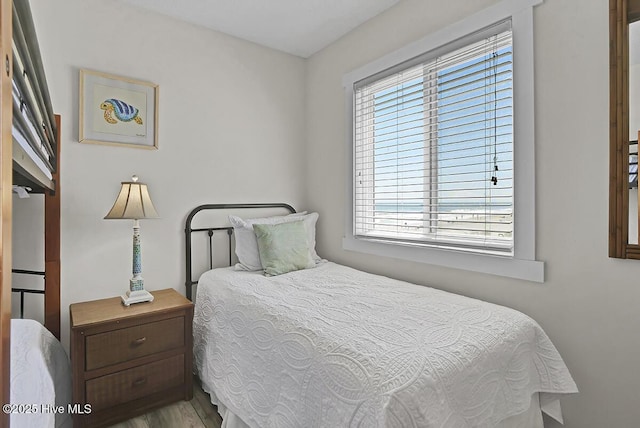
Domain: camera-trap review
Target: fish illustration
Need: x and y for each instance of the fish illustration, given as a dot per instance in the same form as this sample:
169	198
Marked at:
123	111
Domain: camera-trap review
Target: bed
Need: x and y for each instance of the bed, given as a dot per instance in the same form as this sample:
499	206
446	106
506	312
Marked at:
40	377
30	164
331	346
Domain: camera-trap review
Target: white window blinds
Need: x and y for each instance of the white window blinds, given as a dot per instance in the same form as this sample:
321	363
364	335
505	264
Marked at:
433	147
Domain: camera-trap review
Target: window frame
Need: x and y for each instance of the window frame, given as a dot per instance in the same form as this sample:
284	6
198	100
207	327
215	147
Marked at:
522	264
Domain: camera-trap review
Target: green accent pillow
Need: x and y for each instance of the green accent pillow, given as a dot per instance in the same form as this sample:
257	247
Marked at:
283	247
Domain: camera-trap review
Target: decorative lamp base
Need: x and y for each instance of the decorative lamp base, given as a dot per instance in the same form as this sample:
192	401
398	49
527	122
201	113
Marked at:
136	297
136	284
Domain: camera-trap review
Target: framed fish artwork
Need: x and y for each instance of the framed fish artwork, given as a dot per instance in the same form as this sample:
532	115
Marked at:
118	111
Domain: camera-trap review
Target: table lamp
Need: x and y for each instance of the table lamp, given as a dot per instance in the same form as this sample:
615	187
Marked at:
134	203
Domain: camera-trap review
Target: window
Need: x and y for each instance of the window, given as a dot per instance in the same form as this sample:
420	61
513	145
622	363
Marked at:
433	148
442	147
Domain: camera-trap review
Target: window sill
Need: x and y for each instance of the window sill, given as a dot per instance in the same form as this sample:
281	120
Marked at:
530	270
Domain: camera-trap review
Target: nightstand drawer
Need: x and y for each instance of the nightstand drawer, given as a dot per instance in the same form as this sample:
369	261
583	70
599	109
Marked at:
126	344
122	387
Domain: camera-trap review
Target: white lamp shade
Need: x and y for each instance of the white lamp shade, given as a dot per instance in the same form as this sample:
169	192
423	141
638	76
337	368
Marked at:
133	202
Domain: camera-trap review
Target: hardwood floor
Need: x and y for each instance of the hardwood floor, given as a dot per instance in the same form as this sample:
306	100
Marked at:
197	413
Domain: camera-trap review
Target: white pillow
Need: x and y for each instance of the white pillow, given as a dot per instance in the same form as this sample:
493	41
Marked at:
247	244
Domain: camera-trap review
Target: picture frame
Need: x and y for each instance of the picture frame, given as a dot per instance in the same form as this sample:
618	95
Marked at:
117	111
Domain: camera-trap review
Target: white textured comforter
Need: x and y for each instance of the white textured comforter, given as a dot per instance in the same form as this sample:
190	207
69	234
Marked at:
336	347
40	377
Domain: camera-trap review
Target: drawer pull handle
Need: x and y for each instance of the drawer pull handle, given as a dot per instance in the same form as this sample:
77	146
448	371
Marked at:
140	381
139	342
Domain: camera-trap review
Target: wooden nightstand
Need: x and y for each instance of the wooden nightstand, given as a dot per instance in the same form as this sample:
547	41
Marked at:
128	360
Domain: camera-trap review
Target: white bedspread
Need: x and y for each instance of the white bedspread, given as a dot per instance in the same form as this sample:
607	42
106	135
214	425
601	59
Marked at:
336	347
40	377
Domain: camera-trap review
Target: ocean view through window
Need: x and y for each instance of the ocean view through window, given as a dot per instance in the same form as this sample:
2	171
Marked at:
433	152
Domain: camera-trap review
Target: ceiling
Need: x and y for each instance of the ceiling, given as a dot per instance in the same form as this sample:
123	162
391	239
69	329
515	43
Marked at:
299	27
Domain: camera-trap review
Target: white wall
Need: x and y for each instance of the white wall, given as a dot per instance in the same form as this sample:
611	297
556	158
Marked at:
231	129
28	254
589	302
634	102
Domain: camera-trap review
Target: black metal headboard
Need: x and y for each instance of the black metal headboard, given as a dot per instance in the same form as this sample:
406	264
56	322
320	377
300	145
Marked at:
188	230
24	291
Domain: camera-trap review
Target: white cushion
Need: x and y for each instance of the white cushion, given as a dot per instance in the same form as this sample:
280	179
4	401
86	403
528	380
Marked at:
247	244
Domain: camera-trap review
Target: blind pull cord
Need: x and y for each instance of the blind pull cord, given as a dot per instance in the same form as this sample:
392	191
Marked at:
494	177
